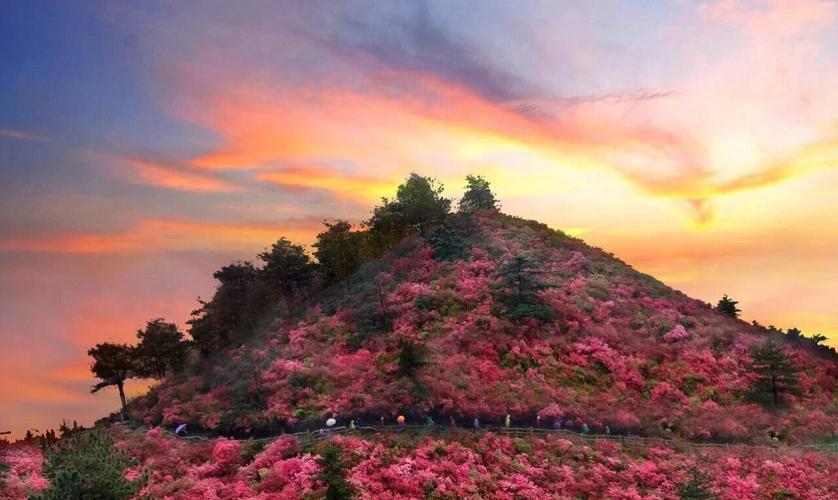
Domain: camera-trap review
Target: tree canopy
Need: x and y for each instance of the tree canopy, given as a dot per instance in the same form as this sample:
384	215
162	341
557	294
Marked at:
160	348
727	306
338	251
478	195
113	364
418	204
233	310
288	270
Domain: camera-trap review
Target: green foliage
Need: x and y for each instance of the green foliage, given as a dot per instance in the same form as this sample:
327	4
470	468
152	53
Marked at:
160	348
4	472
334	473
518	292
288	271
697	487
727	306
775	374
370	320
338	250
87	466
478	195
447	244
411	358
113	364
418	204
239	301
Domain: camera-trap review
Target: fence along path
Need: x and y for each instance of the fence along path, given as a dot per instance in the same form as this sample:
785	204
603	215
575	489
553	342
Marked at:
436	429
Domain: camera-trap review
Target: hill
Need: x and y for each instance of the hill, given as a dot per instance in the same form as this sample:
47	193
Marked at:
492	315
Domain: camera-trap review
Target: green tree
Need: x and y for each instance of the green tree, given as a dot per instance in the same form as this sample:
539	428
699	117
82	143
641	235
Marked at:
478	195
233	310
817	339
338	250
411	358
447	244
775	374
161	347
519	290
418	204
288	270
698	487
87	466
334	473
727	306
113	364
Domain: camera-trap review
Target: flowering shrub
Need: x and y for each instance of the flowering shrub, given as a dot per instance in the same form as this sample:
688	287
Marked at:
625	352
23	474
466	465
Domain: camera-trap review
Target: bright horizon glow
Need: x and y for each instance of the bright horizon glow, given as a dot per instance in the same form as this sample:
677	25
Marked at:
142	147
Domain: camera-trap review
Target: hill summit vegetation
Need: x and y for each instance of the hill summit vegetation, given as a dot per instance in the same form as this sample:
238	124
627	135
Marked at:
466	319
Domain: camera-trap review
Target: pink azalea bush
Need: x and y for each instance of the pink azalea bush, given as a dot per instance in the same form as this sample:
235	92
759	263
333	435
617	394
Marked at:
468	465
24	476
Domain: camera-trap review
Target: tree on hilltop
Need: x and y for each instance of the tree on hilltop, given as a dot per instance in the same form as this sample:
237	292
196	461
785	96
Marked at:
478	195
418	204
728	307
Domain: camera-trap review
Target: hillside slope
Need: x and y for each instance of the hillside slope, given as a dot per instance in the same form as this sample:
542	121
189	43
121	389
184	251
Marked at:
492	315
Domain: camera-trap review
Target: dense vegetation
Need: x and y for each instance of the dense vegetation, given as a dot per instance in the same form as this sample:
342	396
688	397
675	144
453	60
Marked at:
431	314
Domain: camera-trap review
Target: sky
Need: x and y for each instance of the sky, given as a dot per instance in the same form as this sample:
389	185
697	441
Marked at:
143	145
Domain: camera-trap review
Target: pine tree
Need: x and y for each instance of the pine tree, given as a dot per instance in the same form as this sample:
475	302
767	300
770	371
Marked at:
418	204
338	250
776	374
288	269
727	306
113	364
160	348
334	473
411	358
697	488
519	291
478	195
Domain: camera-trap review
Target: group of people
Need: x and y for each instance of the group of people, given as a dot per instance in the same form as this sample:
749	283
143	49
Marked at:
429	421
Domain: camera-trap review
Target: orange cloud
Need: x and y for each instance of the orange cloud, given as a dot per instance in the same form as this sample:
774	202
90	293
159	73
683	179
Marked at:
181	180
344	185
157	235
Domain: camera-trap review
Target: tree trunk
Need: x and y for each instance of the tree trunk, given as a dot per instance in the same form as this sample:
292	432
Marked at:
121	387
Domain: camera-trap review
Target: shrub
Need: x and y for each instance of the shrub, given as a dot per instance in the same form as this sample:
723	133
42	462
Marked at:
334	473
88	466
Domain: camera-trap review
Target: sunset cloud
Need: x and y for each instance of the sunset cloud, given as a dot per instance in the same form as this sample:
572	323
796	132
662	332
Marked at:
178	179
168	235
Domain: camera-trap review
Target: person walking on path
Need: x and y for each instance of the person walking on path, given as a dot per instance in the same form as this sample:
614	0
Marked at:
476	422
507	421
